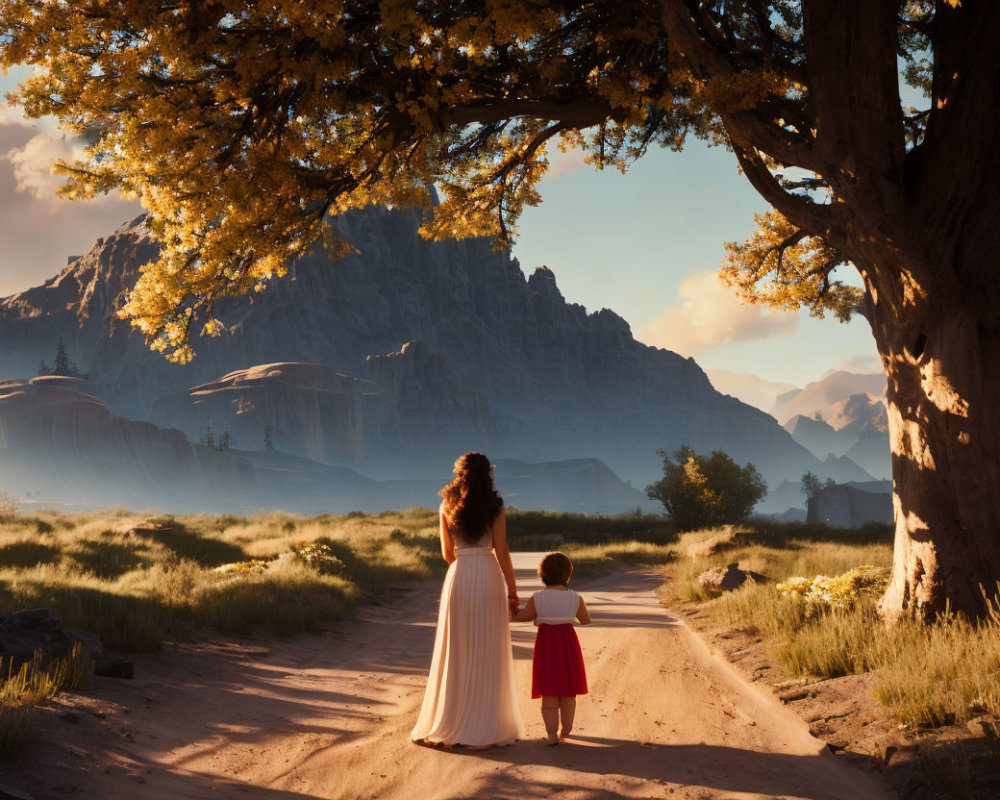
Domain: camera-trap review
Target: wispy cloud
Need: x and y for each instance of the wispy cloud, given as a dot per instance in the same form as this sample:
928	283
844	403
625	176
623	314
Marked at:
567	163
32	165
710	315
749	388
38	229
862	364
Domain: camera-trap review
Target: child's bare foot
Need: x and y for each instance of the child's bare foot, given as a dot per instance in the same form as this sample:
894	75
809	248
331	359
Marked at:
552	739
564	734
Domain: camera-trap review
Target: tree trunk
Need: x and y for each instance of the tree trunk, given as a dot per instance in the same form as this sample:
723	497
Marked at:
943	367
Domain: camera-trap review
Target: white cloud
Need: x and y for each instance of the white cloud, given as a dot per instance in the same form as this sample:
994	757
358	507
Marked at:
710	315
861	364
38	229
12	115
32	165
561	163
752	389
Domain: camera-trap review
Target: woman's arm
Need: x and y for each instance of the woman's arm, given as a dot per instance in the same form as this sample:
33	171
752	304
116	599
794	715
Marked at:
447	541
582	613
499	541
525	614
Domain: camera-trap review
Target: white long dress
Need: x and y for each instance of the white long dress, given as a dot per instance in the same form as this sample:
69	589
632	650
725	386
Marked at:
471	698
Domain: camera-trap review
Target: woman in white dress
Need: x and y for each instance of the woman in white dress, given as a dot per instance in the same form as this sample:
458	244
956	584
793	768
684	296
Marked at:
471	698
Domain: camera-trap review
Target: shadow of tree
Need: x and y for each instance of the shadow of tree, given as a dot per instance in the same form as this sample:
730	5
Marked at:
24	555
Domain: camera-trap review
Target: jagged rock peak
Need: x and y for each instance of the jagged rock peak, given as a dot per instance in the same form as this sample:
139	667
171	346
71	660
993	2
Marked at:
542	283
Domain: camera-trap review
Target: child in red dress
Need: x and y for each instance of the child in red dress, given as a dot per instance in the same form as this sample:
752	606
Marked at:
557	671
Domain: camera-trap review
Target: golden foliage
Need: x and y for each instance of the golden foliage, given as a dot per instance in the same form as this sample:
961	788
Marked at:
782	266
242	127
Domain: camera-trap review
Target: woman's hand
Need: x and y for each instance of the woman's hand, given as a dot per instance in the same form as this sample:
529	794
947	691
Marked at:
513	604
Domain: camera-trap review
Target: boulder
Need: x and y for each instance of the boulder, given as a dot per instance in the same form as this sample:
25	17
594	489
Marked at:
718	580
24	632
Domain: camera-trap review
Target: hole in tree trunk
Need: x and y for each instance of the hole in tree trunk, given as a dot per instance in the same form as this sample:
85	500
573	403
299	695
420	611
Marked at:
919	346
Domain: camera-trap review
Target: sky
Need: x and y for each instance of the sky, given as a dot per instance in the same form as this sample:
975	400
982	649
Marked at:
646	244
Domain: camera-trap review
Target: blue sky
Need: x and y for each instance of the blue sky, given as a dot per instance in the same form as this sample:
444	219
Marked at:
645	244
637	242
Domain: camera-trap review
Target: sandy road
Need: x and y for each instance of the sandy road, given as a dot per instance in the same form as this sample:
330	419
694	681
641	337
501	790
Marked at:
328	716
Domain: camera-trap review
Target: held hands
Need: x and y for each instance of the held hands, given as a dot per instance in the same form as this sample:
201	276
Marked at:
513	604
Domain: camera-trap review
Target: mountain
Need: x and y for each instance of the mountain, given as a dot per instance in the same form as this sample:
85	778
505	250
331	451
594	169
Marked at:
394	360
851	505
855	428
62	447
818	435
828	391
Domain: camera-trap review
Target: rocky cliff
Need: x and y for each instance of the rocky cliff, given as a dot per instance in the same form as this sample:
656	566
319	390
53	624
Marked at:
440	347
855	427
61	446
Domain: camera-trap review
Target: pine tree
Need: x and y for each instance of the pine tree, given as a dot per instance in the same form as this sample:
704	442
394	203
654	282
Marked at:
61	364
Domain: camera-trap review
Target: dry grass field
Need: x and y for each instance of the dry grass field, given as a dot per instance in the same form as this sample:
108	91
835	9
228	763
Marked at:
139	579
939	683
928	675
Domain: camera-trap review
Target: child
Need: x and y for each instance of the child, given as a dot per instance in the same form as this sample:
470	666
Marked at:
557	672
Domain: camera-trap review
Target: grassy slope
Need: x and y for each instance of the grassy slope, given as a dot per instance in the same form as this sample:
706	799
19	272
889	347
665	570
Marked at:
928	675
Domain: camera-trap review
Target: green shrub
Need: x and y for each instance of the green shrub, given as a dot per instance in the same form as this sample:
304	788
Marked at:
701	491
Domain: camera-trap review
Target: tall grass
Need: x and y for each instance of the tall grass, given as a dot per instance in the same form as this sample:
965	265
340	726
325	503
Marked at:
551	530
32	684
139	579
136	579
927	674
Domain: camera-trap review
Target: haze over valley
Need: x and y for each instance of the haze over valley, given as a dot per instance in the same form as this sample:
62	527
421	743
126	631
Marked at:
355	384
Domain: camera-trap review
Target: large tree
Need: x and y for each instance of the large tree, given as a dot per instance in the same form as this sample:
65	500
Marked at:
242	126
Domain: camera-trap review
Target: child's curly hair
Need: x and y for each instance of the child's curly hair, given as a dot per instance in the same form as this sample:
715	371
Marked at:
555	569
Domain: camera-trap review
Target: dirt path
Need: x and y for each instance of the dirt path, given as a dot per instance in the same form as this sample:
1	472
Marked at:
328	716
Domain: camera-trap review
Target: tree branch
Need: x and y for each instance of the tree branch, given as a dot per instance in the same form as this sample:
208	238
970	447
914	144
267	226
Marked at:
751	127
582	112
813	218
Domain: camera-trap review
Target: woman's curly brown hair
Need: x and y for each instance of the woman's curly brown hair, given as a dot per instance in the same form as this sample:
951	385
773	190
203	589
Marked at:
471	503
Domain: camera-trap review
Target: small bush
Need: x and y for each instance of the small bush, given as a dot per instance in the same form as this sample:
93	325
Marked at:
861	585
321	557
699	491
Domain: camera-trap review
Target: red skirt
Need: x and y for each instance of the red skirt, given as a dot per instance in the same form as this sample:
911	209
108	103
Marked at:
557	668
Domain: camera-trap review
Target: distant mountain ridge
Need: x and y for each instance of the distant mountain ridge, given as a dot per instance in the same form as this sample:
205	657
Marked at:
823	395
60	447
439	348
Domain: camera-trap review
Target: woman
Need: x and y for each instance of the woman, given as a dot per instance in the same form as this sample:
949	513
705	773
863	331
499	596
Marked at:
471	699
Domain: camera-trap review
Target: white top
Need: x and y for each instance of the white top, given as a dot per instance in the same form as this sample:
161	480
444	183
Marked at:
556	606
